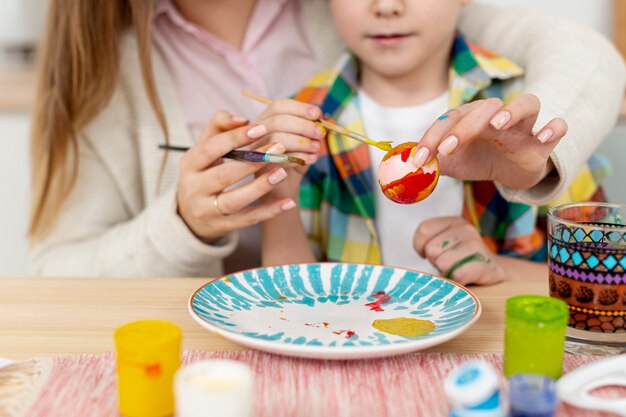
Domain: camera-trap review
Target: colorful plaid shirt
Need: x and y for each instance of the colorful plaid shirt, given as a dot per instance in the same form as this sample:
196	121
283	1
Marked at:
337	193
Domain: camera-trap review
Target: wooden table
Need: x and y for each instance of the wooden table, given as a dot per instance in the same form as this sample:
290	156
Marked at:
51	316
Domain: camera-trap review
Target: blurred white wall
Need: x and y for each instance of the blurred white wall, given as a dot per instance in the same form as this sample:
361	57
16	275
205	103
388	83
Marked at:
14	192
614	147
21	21
595	13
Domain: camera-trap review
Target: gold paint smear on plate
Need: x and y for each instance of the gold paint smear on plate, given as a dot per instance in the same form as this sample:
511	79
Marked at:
404	326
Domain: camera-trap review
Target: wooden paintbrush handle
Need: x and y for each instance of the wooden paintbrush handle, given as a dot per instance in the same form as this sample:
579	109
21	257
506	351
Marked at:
385	145
335	128
256	97
323	122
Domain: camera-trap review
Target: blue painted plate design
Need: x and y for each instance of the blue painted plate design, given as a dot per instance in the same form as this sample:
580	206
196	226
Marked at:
331	310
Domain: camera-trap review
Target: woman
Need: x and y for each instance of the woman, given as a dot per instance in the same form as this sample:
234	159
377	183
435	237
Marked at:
107	202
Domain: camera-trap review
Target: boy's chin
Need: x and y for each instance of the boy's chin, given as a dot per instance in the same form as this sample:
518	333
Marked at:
393	70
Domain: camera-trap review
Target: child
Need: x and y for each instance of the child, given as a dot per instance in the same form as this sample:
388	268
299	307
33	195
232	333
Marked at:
407	67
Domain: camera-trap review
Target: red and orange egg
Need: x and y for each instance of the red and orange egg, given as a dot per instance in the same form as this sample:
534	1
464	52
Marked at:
401	181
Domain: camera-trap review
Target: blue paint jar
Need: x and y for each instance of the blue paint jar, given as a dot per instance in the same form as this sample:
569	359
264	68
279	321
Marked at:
473	391
532	395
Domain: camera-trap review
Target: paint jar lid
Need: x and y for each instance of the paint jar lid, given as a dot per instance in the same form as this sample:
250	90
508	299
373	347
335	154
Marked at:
472	384
532	394
145	340
216	376
538	309
215	387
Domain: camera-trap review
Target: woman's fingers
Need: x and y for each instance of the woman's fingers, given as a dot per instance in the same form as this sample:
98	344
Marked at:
231	202
469	127
222	176
526	108
295	143
523	107
553	132
258	214
293	107
439	131
299	133
222	121
219	177
219	223
293	124
458	128
205	206
209	150
213	215
290	124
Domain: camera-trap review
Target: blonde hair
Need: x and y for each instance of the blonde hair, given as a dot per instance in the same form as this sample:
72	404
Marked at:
78	72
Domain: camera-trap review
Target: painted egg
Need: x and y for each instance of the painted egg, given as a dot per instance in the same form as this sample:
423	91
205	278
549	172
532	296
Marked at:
401	181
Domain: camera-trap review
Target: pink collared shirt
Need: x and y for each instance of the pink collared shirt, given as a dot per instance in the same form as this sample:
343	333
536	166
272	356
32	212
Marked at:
275	60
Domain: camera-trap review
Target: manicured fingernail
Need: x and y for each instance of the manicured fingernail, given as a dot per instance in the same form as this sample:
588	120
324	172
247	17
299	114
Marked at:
320	132
315	145
276	148
312	159
313	112
277	176
257	131
545	136
449	145
420	157
239	119
288	205
501	119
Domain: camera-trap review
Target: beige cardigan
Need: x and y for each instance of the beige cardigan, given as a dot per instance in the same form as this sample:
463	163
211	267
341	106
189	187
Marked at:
115	223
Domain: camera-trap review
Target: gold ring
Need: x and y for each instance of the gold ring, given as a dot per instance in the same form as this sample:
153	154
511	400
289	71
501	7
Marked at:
216	206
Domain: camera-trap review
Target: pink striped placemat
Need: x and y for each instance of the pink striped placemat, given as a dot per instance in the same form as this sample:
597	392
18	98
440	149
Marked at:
409	385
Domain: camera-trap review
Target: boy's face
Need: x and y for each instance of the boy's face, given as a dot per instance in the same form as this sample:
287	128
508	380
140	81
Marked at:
395	37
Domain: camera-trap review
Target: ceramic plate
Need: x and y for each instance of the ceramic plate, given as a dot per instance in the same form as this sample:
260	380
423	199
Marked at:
335	310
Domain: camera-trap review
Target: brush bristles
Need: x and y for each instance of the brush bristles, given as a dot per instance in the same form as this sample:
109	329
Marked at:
295	160
384	145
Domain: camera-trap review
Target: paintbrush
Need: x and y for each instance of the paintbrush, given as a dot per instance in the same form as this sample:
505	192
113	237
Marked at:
384	145
250	156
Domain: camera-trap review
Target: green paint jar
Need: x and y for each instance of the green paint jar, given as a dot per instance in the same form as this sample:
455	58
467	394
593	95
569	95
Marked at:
535	335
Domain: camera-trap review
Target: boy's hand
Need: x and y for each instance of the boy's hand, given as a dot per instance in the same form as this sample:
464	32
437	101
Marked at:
487	140
456	249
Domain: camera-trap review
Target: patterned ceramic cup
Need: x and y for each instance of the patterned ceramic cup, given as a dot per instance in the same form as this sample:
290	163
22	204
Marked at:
587	264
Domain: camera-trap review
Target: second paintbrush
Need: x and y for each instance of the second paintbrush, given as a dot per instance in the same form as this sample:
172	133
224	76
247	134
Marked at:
250	156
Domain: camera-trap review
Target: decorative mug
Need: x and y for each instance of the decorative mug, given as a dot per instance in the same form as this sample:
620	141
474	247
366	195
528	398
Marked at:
587	268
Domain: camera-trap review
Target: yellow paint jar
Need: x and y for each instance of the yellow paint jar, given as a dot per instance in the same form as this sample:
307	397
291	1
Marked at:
148	356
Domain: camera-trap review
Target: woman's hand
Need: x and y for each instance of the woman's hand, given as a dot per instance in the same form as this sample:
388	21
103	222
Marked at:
456	249
208	210
284	238
487	140
299	135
